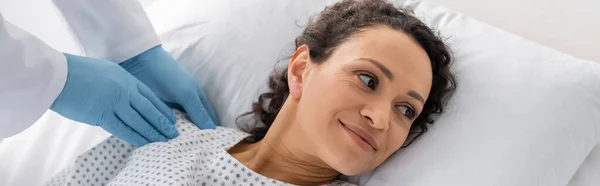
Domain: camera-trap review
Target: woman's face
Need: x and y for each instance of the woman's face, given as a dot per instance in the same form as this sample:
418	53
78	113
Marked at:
358	106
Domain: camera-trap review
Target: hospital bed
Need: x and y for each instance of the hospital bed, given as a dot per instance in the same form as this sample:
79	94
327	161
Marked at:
188	26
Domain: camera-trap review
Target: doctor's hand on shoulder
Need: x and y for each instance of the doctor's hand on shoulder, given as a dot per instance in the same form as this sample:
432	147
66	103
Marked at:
101	93
175	86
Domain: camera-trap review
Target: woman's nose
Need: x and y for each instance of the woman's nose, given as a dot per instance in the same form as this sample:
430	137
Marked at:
377	116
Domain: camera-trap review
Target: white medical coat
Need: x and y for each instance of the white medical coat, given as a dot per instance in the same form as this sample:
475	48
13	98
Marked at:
32	74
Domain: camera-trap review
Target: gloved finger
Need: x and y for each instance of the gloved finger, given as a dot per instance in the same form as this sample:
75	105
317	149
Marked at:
209	109
133	119
156	118
118	129
194	108
161	106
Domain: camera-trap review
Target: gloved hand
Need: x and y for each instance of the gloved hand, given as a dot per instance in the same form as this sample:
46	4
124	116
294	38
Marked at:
103	94
172	84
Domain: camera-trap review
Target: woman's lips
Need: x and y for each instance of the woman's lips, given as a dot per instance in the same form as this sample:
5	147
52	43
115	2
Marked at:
361	137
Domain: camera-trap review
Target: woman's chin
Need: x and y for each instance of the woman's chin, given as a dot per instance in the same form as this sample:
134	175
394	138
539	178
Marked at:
352	170
351	163
346	157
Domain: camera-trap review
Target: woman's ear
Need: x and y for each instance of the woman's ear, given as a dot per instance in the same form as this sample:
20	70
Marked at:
299	64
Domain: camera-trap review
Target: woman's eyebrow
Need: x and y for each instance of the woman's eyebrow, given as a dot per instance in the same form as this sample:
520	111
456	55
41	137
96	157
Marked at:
381	67
416	95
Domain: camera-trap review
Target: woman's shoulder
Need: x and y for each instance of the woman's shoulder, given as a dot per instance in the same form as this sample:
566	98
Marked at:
187	129
217	135
217	139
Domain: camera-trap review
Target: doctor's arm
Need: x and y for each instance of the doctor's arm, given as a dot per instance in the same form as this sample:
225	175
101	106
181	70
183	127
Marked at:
32	75
119	30
35	77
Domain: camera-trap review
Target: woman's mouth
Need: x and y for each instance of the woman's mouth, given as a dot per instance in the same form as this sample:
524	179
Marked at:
362	138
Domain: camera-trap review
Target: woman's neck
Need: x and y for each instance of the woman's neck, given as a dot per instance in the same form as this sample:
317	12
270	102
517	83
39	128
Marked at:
284	155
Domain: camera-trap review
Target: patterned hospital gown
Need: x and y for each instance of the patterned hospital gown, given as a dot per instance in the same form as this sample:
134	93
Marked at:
195	157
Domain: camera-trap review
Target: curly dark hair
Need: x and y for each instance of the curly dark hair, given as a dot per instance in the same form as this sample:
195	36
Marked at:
336	24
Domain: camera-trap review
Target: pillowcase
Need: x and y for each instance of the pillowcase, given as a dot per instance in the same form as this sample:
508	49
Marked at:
590	169
523	114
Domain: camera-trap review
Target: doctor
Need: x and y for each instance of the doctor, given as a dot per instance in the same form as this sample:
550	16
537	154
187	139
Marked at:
122	86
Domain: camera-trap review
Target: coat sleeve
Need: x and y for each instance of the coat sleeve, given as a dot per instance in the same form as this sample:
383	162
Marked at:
32	75
115	30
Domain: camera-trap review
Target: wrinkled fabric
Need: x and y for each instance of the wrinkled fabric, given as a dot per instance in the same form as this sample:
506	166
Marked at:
196	157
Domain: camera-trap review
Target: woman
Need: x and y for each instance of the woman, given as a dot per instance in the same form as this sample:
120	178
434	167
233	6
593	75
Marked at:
364	78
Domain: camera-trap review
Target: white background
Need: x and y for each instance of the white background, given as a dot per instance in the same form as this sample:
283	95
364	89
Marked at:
570	26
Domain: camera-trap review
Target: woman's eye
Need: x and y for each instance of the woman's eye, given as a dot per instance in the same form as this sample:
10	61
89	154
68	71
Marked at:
406	111
368	80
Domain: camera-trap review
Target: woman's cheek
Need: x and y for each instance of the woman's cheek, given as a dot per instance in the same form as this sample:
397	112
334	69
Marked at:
396	137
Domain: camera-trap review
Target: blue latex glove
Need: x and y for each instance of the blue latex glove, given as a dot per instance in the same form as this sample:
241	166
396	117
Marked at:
172	84
103	94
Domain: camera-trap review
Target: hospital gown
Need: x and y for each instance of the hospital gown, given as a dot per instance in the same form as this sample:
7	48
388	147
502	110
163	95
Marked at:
195	157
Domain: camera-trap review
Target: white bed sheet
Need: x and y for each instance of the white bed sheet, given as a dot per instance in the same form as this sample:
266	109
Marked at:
53	142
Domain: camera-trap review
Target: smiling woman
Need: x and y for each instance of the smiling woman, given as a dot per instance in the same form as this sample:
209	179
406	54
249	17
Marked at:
365	76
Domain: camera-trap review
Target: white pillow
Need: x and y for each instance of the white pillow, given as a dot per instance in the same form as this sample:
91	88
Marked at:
523	114
589	172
